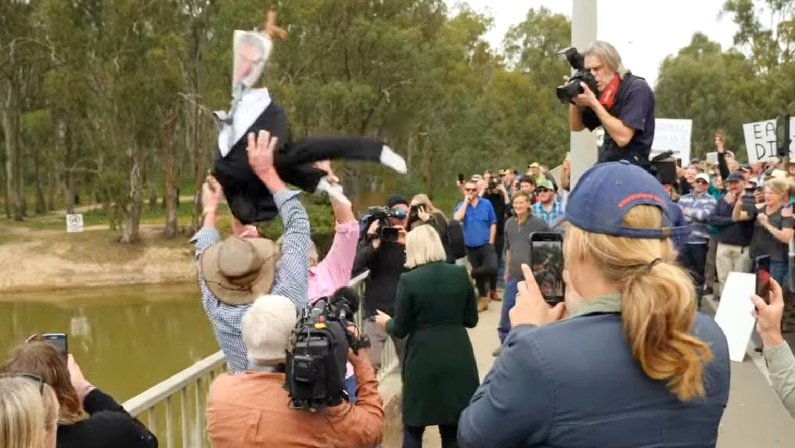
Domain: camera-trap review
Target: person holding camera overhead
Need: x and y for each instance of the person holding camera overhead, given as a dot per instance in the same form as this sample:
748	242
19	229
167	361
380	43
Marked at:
608	95
384	260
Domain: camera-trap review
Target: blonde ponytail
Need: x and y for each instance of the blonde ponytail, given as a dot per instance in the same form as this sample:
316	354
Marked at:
658	301
657	312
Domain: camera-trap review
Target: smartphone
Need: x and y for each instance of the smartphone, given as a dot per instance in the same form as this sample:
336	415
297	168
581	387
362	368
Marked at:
762	264
59	341
461	177
546	261
389	234
414	212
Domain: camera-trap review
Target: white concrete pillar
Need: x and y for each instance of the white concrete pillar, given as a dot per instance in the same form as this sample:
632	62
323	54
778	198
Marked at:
583	32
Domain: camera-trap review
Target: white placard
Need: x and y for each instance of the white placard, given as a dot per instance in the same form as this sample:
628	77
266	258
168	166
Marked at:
734	314
673	134
74	223
760	140
712	157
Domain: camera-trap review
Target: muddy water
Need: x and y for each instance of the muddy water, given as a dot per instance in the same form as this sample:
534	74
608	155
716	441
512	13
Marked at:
125	339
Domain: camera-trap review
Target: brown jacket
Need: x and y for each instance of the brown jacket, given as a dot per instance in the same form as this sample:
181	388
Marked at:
252	410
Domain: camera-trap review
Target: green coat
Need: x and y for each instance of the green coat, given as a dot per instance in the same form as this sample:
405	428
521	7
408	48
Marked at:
435	304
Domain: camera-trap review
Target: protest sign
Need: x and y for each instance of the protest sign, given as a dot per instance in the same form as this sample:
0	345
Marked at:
760	140
674	135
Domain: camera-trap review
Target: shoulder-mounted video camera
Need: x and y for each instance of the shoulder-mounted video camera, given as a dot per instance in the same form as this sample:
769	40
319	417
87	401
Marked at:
568	91
382	215
318	352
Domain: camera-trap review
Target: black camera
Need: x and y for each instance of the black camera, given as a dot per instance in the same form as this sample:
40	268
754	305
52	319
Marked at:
318	352
568	91
382	215
663	167
492	185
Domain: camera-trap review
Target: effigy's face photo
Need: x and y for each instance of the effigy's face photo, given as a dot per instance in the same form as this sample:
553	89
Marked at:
251	51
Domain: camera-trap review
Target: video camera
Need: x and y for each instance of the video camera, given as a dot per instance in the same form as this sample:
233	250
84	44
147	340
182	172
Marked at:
318	352
382	215
568	91
663	167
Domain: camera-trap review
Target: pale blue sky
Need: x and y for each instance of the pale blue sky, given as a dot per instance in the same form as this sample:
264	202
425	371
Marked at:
644	32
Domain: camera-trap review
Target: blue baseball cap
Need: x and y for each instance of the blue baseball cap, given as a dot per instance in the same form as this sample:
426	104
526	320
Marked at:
607	191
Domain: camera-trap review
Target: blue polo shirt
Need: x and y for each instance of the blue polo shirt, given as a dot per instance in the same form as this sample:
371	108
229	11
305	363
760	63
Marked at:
477	223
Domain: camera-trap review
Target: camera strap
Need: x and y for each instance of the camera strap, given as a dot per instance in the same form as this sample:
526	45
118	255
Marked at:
279	368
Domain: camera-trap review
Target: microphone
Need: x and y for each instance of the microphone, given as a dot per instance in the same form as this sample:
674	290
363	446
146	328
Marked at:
350	301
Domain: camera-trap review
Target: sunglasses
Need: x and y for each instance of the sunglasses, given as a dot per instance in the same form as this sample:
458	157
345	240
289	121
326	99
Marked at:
399	213
27	376
470	189
701	181
541	190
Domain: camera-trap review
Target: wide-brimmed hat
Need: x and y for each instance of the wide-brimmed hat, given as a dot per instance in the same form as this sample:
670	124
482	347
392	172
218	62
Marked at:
238	270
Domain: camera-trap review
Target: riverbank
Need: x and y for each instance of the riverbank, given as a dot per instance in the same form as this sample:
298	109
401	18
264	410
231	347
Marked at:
42	260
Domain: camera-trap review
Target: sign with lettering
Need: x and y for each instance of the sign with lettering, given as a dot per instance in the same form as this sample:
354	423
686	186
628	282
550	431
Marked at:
673	134
760	140
74	223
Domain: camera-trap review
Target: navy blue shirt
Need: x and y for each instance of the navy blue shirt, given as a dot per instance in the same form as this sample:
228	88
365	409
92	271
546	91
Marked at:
634	106
477	223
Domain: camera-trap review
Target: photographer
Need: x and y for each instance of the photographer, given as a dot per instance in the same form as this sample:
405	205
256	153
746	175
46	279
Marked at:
624	106
384	260
252	409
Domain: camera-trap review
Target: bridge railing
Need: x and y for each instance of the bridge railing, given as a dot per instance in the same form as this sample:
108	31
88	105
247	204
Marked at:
174	409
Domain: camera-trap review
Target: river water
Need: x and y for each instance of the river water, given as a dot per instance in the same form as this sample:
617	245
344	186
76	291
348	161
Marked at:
124	339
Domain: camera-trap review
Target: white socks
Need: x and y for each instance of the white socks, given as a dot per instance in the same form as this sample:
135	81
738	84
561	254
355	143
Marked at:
393	160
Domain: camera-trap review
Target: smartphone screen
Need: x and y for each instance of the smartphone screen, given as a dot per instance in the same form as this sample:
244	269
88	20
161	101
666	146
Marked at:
57	340
546	261
763	277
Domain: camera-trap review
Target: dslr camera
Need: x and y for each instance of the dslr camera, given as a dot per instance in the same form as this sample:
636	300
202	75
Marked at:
568	91
318	352
382	215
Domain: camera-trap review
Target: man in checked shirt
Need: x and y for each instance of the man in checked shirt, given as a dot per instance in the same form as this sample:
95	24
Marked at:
235	272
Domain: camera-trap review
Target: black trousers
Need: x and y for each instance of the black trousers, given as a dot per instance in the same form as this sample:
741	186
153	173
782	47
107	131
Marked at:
694	259
412	436
484	267
499	242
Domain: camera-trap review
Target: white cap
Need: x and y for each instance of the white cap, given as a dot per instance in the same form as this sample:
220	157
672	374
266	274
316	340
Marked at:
702	176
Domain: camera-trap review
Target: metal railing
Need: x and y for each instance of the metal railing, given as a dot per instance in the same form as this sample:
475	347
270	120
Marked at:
180	401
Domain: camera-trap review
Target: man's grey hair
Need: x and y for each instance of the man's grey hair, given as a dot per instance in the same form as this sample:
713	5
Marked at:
609	56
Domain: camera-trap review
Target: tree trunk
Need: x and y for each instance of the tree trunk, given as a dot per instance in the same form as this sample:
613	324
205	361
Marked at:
64	144
52	187
41	204
131	231
152	198
10	121
198	165
6	198
171	191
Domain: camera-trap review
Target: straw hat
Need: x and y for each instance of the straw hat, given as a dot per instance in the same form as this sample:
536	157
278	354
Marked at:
238	270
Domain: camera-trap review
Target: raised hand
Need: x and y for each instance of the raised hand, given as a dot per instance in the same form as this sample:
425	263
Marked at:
271	29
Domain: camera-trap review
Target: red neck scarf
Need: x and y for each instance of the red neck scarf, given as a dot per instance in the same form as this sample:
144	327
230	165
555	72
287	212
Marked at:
608	97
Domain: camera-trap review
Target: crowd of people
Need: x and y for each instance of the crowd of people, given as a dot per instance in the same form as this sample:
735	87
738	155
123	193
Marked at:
626	360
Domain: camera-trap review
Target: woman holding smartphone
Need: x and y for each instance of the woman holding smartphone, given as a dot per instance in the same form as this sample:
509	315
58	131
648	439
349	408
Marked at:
88	417
772	228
